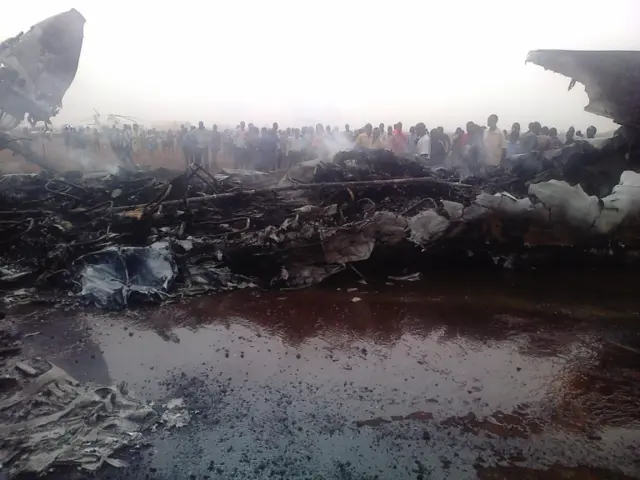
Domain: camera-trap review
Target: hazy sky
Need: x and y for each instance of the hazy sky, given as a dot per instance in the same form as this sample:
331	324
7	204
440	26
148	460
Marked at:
334	61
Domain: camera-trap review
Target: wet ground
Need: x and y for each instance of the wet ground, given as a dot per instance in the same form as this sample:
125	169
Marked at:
489	377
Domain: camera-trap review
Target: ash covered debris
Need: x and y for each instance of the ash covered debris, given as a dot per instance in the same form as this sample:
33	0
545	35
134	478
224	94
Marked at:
156	236
48	419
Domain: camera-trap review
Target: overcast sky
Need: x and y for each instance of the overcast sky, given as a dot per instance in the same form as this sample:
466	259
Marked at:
333	61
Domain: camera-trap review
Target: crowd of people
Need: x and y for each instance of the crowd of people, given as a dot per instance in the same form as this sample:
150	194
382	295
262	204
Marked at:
267	149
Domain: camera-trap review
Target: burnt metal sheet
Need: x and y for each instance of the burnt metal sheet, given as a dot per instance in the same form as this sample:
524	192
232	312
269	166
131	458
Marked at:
37	67
611	79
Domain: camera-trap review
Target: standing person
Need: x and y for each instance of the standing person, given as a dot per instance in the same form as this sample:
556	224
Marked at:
438	151
458	144
136	141
569	136
268	149
67	137
457	154
318	142
96	140
227	144
115	141
275	133
168	142
386	137
152	142
126	146
399	140
542	135
377	140
240	151
188	147
308	136
514	139
216	146
591	132
494	142
444	138
253	148
473	141
556	143
348	134
529	141
423	142
383	135
295	148
412	139
202	140
365	140
182	133
283	144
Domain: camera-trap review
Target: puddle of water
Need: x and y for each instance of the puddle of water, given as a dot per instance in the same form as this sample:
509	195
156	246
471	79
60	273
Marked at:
454	378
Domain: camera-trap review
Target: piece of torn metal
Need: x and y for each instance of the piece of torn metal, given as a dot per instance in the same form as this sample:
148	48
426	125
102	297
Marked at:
55	420
610	78
109	277
37	68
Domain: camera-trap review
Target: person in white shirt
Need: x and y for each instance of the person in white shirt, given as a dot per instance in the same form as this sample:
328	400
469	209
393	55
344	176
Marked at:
240	153
383	134
296	142
423	145
494	142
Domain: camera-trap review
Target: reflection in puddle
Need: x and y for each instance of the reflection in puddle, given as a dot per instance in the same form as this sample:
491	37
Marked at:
475	370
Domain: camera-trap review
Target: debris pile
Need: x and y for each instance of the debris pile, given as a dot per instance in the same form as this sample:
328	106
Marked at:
49	419
53	420
155	235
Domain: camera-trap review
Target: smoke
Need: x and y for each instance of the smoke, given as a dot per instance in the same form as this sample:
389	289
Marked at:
91	161
86	159
337	143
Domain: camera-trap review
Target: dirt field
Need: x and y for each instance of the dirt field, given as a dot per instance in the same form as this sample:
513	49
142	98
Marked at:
56	153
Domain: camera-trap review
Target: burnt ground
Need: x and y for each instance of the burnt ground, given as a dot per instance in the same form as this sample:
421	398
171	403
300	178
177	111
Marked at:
527	377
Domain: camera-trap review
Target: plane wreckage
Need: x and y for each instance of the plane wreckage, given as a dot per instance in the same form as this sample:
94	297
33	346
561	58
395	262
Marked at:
611	79
36	69
155	235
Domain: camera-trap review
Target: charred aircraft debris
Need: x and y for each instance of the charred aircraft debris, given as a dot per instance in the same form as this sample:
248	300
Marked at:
114	240
36	69
155	235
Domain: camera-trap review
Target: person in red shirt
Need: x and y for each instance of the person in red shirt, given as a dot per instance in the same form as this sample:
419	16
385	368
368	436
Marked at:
399	140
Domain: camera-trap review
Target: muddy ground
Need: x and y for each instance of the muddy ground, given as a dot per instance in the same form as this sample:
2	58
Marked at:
62	159
473	376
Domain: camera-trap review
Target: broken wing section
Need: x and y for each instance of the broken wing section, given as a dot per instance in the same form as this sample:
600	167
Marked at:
611	79
37	68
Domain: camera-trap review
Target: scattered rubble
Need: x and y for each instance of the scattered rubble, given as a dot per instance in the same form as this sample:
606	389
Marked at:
49	419
156	235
